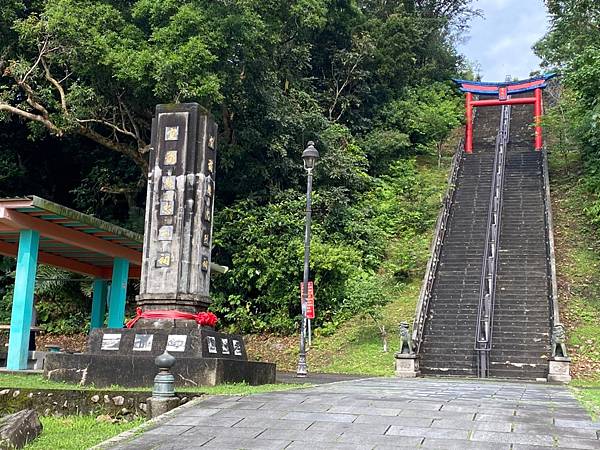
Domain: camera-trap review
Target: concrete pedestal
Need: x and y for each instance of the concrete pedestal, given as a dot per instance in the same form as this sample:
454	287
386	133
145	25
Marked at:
407	365
559	370
158	406
125	357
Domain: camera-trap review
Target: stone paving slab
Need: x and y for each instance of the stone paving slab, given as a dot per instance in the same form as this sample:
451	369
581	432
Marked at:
382	413
455	444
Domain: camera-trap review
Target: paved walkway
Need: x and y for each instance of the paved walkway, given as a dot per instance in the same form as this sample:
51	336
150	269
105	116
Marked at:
383	413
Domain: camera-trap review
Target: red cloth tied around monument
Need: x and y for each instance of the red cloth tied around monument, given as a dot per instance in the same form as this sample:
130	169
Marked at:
202	318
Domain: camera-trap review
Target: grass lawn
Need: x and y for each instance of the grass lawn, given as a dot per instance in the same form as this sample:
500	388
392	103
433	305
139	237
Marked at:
76	432
588	393
357	347
577	265
39	382
79	432
578	276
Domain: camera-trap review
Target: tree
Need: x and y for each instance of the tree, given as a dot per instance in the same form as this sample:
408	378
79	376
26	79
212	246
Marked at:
427	114
366	299
270	71
84	77
571	47
65	75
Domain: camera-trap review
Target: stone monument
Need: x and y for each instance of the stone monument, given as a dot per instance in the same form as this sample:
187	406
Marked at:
179	212
559	364
175	279
407	363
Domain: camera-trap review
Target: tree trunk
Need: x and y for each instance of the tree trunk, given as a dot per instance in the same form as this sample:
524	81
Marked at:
384	338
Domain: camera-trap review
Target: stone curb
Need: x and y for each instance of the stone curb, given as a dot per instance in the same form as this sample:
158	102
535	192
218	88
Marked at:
125	435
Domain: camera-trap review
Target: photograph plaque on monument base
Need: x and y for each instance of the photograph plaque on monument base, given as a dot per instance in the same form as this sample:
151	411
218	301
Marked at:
132	364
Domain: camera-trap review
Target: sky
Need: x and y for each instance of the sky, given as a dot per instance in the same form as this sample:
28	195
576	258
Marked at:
500	42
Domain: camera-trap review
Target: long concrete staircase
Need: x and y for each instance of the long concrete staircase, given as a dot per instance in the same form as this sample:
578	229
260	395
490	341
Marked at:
521	328
450	326
477	286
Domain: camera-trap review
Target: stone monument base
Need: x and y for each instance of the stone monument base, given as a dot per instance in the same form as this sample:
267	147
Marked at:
139	371
407	365
558	370
125	357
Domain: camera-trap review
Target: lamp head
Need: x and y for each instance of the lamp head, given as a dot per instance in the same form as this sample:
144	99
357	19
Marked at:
310	155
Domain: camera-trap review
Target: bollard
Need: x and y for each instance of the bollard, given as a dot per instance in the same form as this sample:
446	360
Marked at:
164	381
163	393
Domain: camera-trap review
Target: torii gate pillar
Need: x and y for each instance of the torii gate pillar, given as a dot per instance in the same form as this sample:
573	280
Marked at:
469	123
538	119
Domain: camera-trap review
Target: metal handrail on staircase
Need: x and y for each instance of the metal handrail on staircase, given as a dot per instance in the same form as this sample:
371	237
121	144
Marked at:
555	316
436	249
485	314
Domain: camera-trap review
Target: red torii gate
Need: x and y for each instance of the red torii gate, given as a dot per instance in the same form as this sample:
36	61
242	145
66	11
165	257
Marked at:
503	90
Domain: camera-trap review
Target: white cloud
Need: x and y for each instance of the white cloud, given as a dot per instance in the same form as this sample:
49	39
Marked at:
501	41
499	48
492	4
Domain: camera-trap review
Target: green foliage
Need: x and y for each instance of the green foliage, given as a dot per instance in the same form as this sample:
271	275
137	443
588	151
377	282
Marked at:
383	146
343	162
571	47
7	279
77	432
365	297
261	291
427	114
363	79
376	230
578	263
275	74
61	302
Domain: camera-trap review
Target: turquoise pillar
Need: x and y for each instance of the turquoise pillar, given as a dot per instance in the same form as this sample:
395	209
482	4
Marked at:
20	321
99	303
118	293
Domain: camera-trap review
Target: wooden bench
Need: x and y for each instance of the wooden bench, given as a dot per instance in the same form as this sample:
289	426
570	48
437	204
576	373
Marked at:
34	330
7	328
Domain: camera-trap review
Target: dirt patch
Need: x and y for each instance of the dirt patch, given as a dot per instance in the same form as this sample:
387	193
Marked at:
281	350
71	342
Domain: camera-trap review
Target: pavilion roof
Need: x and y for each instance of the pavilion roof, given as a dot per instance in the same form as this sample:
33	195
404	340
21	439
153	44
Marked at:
69	239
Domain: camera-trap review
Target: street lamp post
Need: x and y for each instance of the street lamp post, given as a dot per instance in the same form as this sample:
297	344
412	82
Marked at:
310	156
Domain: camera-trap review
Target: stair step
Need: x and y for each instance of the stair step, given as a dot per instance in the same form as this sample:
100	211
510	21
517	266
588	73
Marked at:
522	304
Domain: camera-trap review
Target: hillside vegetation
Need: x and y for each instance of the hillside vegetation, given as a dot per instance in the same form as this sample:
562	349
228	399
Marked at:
571	48
368	81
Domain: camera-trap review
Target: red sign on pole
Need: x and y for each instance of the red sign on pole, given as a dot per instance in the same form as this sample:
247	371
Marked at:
310	300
